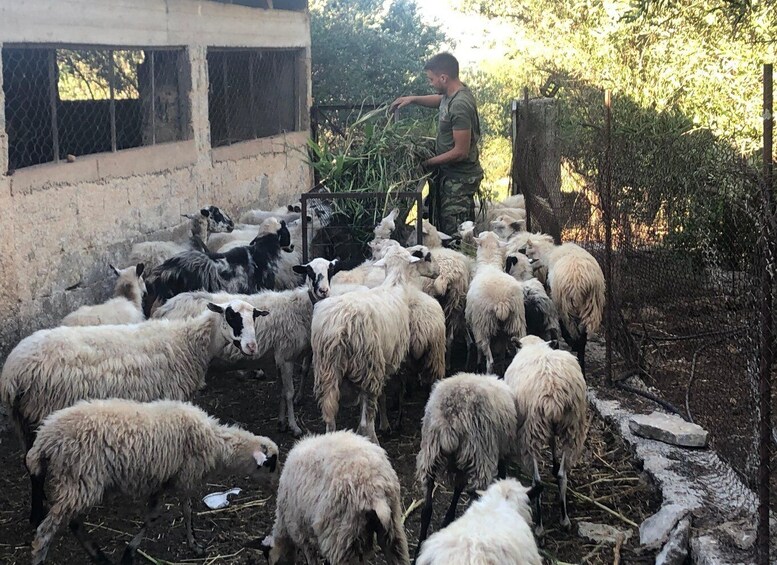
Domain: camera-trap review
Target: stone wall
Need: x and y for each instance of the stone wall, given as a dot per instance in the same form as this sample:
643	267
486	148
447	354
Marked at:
62	223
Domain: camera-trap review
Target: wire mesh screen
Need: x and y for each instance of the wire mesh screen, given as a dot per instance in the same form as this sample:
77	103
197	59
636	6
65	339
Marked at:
64	101
693	236
252	93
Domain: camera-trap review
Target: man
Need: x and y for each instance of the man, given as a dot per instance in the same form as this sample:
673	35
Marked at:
458	132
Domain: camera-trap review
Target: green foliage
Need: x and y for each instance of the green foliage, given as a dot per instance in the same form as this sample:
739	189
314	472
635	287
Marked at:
376	154
368	49
686	83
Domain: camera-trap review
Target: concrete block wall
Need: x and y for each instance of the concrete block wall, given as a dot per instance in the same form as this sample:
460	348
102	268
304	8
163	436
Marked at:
61	224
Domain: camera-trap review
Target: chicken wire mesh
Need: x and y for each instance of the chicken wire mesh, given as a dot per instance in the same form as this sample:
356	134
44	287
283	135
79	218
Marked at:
253	93
689	258
61	103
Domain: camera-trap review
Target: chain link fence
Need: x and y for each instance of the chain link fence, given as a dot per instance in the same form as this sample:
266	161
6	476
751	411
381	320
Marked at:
683	224
253	93
61	103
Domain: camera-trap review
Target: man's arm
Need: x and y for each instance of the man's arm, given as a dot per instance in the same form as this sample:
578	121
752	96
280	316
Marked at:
429	101
460	151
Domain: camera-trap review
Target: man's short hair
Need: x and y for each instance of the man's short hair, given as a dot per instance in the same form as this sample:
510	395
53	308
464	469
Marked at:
443	63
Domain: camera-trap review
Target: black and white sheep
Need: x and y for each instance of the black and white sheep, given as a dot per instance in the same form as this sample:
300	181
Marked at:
55	368
285	331
126	306
242	270
208	221
139	449
337	493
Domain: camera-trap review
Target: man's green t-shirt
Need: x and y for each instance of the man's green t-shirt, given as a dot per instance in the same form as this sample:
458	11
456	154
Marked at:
459	112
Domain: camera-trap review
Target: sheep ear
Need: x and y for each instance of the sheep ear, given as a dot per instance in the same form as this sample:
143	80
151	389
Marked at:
517	226
115	270
290	207
414	259
205	212
300	269
444	236
297	209
139	269
215	308
553	343
503	244
188	216
428	258
381	262
510	262
258	313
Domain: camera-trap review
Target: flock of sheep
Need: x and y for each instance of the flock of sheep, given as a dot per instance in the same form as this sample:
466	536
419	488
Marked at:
101	402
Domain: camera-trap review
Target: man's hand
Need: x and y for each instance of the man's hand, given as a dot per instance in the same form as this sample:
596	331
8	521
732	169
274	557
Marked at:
401	102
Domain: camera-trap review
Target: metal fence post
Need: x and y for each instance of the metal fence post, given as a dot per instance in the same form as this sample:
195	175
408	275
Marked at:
607	209
766	354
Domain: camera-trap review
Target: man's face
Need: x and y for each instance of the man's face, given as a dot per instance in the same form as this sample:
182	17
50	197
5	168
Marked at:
438	82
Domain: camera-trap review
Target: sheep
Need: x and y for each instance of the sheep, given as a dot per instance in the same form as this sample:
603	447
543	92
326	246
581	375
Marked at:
550	399
256	217
124	308
367	273
209	221
467	245
487	211
362	336
432	237
577	288
336	492
285	331
386	226
507	225
426	353
541	314
468	433
140	450
55	368
241	270
494	300
495	529
516	246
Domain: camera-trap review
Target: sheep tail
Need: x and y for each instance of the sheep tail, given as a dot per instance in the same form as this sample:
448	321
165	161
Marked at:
35	460
391	531
440	286
435	442
592	309
433	363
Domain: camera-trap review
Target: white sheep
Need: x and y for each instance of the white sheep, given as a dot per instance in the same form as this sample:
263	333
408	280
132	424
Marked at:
550	398
386	226
140	450
362	336
494	300
506	225
208	221
426	352
285	331
495	530
126	306
336	494
432	237
55	368
467	435
516	246
577	288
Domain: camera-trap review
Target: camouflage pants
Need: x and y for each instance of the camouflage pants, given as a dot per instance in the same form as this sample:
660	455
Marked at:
454	203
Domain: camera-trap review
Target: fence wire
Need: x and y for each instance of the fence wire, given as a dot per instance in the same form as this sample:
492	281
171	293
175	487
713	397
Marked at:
253	93
692	256
61	103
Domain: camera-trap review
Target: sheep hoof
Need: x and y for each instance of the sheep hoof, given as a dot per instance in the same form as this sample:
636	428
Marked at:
198	550
539	533
297	400
282	426
566	523
296	432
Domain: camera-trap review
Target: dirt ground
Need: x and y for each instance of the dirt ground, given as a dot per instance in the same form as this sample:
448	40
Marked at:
605	487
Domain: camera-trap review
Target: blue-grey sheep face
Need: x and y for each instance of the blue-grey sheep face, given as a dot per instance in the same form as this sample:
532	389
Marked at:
237	324
218	221
318	274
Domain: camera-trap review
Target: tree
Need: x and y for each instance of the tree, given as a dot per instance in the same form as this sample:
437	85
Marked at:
368	50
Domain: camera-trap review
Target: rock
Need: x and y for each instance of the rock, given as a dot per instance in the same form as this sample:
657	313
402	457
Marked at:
601	532
669	429
675	551
655	530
